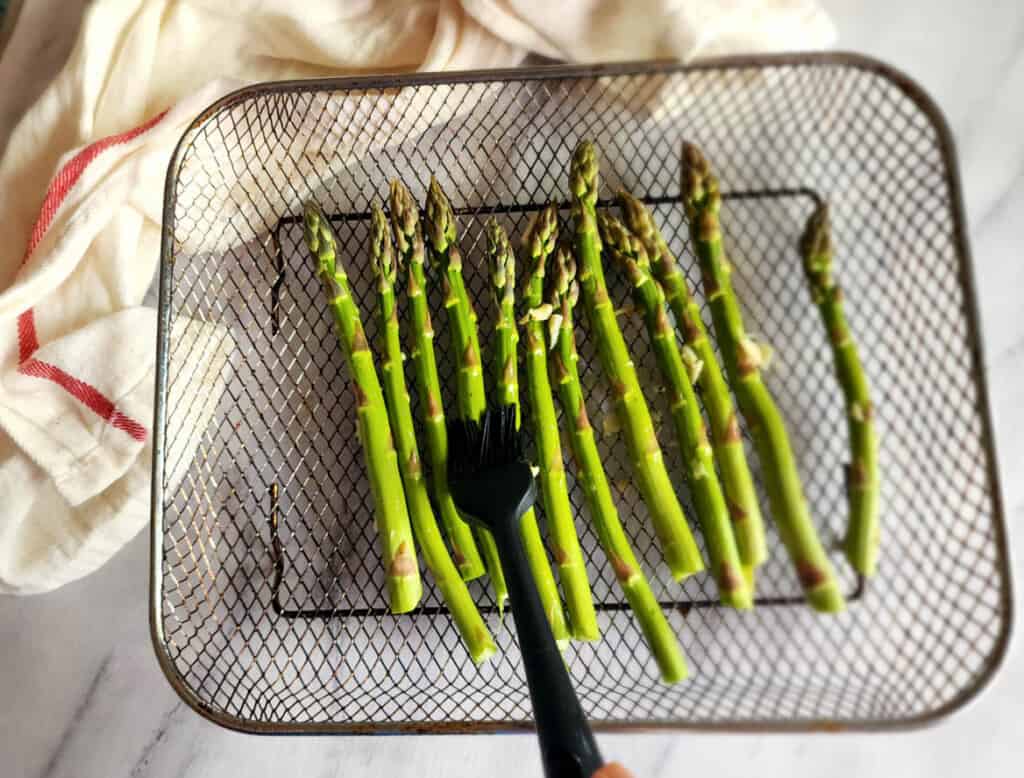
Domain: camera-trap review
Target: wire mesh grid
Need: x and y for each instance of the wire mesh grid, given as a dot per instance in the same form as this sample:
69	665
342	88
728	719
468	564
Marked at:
268	611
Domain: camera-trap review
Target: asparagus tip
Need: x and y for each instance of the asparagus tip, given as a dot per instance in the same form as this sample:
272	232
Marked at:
540	234
320	239
312	216
827	599
440	217
635	215
624	248
381	251
583	173
816	241
696	172
400	197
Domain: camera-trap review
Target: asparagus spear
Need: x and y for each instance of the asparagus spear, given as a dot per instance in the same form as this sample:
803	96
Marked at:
742	362
501	260
538	243
677	543
562	296
470	394
748	526
405	221
712	512
861	541
401	570
453	589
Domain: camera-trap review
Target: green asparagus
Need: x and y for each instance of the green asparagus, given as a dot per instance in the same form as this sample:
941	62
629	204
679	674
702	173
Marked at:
628	252
677	543
737	482
405	221
538	244
453	589
501	260
401	569
470	392
743	359
563	292
862	534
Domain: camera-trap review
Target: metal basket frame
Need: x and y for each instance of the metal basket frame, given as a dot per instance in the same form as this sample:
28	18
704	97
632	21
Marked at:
199	698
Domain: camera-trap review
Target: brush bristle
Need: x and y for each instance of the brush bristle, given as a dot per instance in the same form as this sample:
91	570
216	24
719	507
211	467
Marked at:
474	447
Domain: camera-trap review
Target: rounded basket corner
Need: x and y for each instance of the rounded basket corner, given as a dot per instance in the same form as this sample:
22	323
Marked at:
982	683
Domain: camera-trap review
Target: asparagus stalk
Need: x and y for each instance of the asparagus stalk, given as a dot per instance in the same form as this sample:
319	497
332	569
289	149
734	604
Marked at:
538	243
405	221
401	570
563	293
628	252
470	393
861	541
677	543
742	363
501	260
453	589
738	484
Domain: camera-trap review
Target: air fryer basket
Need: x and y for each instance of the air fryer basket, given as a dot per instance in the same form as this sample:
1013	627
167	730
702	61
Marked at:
267	606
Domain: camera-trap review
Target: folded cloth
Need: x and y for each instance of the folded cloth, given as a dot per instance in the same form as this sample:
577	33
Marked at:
81	188
621	30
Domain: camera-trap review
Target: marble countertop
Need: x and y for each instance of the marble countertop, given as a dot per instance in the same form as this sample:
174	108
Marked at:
83	695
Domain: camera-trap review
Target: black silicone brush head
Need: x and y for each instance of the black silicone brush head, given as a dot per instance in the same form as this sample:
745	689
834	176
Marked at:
489	478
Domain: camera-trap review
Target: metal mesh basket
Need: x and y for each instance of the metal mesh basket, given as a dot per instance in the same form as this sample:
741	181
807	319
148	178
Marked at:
267	604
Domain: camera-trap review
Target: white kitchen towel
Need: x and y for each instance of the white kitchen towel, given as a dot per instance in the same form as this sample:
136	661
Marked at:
81	188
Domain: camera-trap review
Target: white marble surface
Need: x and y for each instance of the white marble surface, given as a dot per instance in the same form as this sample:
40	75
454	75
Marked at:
81	692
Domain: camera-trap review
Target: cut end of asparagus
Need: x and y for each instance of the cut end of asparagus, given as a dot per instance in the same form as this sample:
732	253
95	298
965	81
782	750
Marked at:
587	633
483	649
741	599
750	576
381	251
675	674
682	562
404	592
826	598
861	548
440	218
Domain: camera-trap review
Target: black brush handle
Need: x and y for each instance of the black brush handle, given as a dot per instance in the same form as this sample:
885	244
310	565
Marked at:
567	744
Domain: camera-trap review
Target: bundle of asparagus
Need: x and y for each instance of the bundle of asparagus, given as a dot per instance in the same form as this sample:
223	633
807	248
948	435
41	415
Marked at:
453	589
403	577
727	510
678	373
861	541
538	243
405	220
563	293
748	526
742	362
506	361
470	394
677	543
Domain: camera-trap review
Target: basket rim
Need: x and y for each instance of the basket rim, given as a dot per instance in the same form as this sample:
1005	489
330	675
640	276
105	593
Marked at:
911	88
